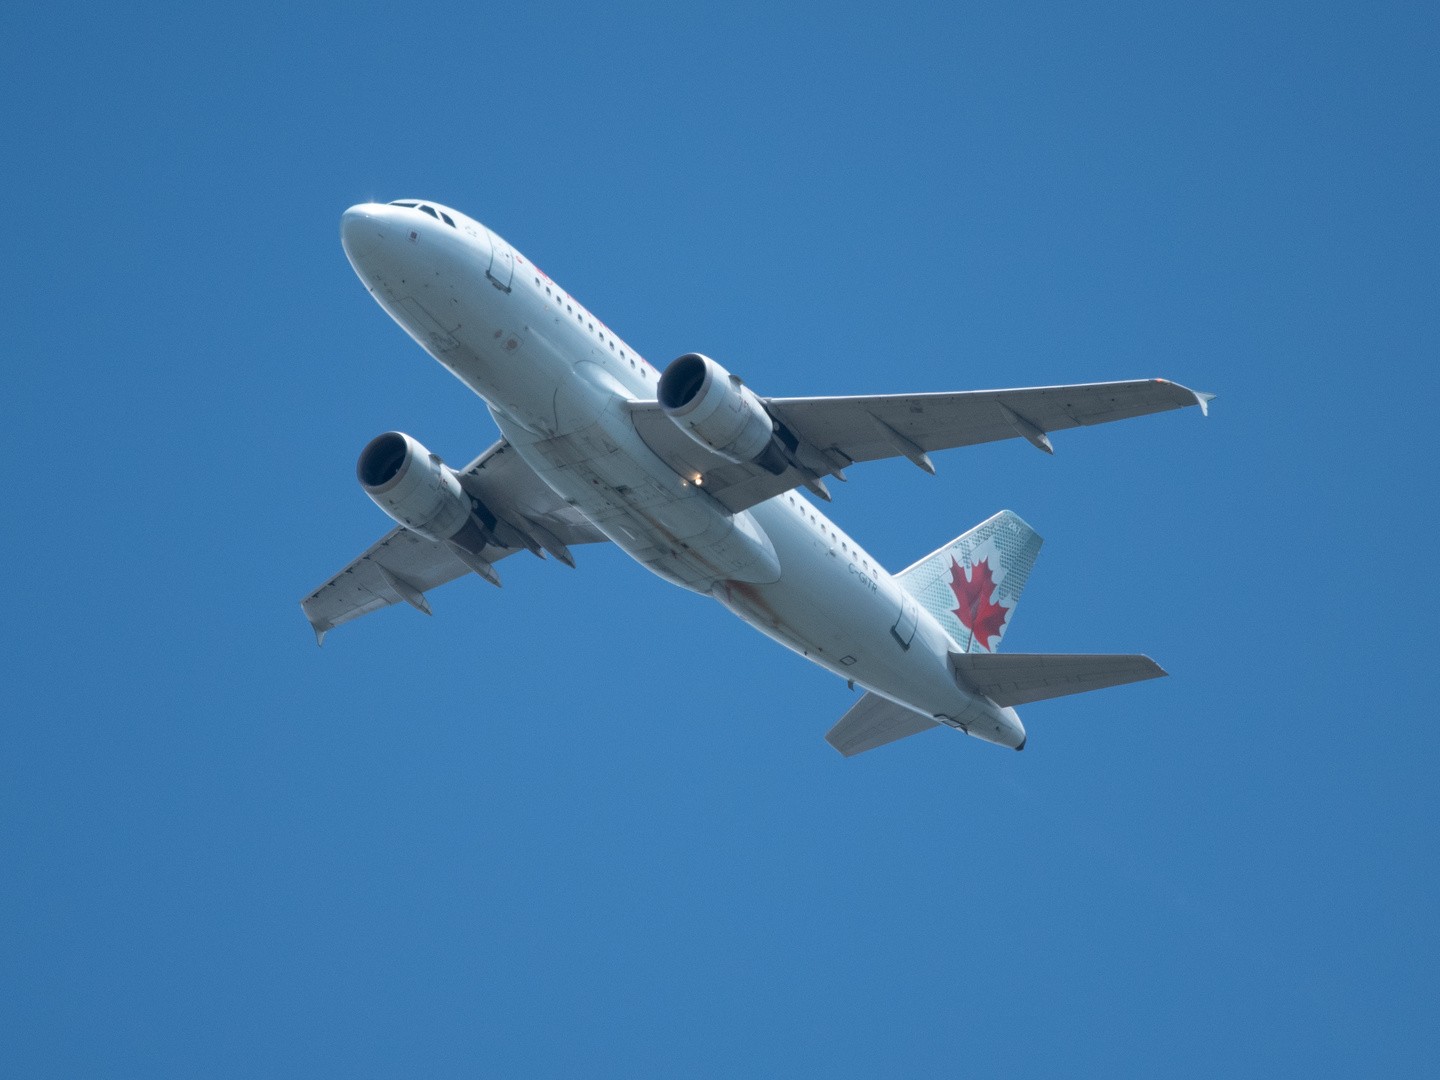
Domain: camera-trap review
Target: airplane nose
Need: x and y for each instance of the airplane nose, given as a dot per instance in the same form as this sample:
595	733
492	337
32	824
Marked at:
361	229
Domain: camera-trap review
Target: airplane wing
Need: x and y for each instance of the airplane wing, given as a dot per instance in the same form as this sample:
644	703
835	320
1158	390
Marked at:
403	565
830	433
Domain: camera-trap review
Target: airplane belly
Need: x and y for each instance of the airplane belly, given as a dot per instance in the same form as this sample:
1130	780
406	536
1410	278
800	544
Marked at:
835	613
599	464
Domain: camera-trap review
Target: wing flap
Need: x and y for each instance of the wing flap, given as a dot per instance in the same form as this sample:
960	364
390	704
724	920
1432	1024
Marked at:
874	721
1020	678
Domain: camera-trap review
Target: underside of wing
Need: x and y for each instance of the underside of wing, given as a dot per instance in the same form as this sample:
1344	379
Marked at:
868	428
403	565
503	482
399	562
1020	678
736	487
824	435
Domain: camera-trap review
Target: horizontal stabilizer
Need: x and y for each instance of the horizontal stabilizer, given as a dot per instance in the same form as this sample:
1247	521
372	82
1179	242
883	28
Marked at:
874	721
1020	678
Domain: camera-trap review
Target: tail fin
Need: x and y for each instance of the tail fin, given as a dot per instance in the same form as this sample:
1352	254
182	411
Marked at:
972	584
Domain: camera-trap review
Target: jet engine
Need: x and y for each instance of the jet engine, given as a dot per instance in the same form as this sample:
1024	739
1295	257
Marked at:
716	410
419	490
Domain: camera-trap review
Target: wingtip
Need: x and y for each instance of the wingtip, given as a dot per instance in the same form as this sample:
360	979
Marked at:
1203	400
319	626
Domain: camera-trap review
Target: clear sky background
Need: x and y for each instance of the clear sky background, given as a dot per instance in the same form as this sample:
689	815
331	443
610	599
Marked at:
586	825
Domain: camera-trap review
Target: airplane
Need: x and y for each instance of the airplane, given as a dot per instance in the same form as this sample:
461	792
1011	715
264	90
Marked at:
698	478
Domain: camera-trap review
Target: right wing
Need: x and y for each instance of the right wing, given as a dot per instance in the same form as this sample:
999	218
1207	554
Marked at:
826	434
403	565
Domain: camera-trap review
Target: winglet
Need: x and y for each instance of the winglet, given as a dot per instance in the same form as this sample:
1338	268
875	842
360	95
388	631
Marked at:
1203	400
320	626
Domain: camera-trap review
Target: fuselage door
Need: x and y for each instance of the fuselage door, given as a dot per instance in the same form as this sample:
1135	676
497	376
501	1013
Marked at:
904	629
502	263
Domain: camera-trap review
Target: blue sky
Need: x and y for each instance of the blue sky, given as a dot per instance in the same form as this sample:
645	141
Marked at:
586	825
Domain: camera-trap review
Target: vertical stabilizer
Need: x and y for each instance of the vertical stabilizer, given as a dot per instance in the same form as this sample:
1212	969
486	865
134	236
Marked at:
972	584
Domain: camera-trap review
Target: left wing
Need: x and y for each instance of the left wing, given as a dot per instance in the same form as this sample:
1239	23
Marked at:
824	435
403	565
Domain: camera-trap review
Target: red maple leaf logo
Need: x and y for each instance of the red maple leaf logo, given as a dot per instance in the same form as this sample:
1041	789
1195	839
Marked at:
976	613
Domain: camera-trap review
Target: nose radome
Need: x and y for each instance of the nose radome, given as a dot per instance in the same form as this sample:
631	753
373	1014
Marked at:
362	227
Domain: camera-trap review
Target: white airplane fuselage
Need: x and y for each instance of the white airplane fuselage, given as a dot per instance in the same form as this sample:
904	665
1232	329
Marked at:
556	381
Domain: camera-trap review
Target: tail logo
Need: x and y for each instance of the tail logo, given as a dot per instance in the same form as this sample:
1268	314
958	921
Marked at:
976	613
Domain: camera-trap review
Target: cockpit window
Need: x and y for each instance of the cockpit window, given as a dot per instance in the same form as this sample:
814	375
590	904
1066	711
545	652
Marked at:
429	211
447	219
410	204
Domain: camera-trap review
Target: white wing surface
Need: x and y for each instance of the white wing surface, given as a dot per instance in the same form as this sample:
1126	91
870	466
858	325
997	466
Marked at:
403	565
874	721
1020	678
830	433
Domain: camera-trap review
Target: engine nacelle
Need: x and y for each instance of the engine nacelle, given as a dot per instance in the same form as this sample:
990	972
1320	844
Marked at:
416	488
715	409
